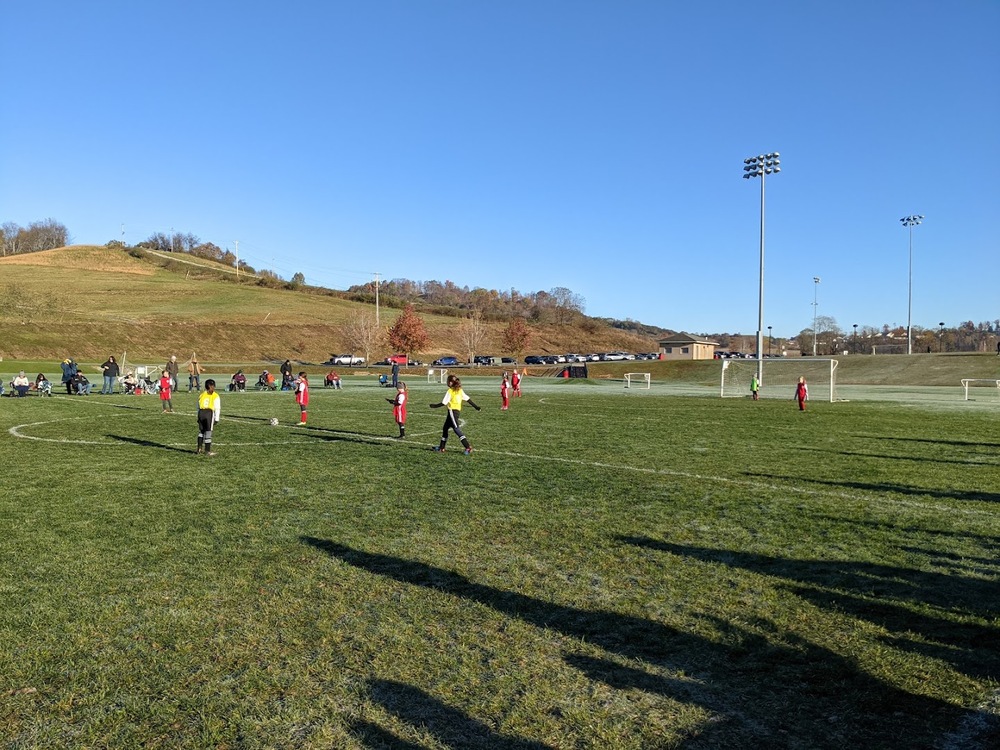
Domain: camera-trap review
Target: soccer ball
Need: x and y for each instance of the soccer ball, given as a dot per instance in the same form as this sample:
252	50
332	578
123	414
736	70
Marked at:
274	421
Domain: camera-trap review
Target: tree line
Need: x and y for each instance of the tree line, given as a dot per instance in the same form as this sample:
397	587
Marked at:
37	236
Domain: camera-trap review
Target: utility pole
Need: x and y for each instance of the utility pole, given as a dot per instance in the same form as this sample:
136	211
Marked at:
376	300
237	242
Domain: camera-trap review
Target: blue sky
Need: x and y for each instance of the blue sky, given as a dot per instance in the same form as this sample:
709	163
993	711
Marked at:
532	144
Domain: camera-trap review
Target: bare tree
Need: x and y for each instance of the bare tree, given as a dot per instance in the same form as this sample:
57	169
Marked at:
472	334
362	333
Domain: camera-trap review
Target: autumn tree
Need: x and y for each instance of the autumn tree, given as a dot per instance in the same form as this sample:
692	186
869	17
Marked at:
515	337
362	333
408	334
472	333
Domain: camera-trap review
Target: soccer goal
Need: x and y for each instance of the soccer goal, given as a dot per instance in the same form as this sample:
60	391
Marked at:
779	377
637	380
980	383
437	376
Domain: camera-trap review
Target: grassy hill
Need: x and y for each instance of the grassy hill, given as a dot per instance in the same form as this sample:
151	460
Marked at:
87	301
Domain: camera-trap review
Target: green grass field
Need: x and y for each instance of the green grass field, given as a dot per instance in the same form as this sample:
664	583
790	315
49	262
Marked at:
609	569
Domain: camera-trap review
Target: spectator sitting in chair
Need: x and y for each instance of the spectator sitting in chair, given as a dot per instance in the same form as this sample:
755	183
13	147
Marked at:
21	384
129	383
332	379
43	386
81	384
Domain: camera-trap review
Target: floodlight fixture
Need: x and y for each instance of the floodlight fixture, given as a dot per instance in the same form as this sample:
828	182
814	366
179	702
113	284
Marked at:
761	166
909	222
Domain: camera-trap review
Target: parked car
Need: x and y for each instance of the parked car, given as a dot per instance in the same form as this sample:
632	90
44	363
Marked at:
344	359
533	359
485	359
508	361
445	362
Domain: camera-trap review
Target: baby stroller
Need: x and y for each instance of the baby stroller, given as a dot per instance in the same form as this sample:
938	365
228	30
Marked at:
266	381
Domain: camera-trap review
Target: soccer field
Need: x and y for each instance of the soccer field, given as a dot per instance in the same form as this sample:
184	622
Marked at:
610	568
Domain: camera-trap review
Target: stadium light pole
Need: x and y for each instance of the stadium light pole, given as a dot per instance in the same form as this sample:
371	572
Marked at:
855	339
910	222
761	166
769	341
815	308
941	337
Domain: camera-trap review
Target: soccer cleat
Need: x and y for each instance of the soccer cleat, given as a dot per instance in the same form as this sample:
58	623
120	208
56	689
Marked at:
300	424
210	453
438	450
468	451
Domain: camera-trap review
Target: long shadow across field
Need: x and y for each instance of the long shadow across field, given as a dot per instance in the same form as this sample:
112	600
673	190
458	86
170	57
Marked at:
150	444
450	726
777	689
888	596
881	487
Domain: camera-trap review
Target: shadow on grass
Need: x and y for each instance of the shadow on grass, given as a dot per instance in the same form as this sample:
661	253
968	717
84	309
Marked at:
887	457
149	444
900	489
450	726
888	596
958	443
776	690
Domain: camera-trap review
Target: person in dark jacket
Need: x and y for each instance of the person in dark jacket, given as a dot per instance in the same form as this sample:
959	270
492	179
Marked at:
69	369
111	372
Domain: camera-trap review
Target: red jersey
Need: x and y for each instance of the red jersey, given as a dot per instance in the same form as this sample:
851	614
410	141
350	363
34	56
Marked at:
302	392
165	387
399	407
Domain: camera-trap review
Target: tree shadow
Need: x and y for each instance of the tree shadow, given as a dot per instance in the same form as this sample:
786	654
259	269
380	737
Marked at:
887	457
900	489
878	594
149	444
766	687
957	443
449	725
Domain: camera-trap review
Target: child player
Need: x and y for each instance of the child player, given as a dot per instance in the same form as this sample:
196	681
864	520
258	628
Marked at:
302	396
504	393
166	385
209	412
399	408
454	399
515	382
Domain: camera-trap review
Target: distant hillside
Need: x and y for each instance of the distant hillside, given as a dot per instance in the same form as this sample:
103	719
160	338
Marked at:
88	301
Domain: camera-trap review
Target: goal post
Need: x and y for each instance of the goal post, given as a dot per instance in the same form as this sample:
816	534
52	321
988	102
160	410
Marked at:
980	383
779	377
437	376
637	380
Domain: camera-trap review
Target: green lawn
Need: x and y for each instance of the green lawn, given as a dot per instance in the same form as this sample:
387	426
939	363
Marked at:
609	569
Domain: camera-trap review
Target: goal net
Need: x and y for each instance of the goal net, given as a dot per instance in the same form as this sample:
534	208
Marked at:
780	376
637	380
437	376
992	385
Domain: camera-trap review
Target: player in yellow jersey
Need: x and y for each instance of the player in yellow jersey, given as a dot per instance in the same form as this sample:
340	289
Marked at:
209	411
454	399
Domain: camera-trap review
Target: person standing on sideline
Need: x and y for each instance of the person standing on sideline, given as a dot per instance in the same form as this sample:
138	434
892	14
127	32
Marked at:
171	370
454	399
395	374
755	387
504	393
302	396
399	408
515	382
68	375
802	393
209	413
110	370
194	373
166	388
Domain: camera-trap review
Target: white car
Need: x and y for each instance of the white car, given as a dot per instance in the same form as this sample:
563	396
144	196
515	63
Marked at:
348	359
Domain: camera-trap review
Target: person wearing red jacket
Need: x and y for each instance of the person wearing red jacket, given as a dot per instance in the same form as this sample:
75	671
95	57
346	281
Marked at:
802	393
504	393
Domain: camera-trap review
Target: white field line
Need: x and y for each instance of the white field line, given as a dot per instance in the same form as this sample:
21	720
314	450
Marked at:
706	478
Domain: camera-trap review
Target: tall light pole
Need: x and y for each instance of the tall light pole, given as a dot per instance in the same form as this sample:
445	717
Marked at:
769	341
855	339
760	166
910	222
815	309
941	337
